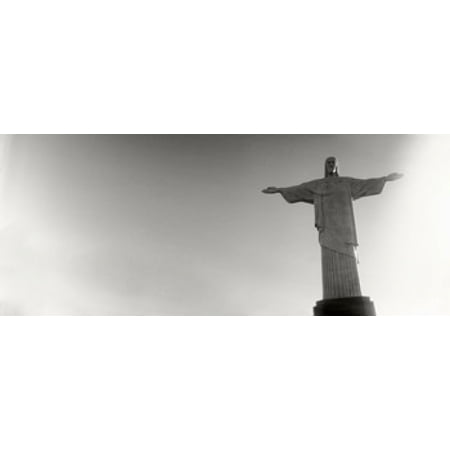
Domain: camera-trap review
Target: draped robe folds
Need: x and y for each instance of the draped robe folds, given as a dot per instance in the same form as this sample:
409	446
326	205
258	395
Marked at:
332	198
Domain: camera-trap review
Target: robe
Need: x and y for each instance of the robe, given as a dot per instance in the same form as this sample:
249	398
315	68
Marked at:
332	198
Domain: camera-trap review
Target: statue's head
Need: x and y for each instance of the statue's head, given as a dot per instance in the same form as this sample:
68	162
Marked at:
331	167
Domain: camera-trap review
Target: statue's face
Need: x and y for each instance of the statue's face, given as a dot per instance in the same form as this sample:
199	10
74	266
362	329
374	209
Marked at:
331	166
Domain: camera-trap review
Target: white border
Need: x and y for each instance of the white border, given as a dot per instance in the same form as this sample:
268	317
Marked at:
201	383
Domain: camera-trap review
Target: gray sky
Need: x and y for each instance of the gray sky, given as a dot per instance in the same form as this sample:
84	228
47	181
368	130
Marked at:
178	225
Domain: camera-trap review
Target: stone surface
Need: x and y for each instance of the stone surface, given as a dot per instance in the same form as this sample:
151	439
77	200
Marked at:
349	306
332	197
339	275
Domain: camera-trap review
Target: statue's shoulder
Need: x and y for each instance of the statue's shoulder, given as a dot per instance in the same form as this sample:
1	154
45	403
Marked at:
346	179
317	182
339	183
314	186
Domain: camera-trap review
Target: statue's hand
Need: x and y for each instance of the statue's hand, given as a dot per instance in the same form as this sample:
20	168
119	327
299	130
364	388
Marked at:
271	190
394	176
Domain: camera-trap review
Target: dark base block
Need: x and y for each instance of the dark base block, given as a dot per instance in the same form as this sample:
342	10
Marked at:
350	306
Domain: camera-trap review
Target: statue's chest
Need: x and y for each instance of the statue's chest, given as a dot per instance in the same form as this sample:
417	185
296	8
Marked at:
336	198
334	189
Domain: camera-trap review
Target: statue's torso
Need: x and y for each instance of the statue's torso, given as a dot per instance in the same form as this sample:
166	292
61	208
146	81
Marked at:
333	201
335	219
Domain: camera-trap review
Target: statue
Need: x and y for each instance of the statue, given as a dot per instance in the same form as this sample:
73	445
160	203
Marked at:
332	198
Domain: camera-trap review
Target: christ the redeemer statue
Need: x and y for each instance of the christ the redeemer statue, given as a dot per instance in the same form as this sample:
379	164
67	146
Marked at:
332	198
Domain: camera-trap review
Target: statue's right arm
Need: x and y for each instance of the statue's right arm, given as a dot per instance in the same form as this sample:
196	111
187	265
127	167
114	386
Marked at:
272	190
293	194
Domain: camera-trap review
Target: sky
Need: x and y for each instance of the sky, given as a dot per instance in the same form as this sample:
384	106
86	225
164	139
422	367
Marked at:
177	225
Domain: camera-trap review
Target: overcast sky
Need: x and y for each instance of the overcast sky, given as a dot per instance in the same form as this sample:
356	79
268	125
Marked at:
178	224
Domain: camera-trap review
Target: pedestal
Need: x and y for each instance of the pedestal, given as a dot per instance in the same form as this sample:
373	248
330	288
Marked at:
350	306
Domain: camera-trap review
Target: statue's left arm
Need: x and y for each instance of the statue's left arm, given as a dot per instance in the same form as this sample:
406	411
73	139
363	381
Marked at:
372	186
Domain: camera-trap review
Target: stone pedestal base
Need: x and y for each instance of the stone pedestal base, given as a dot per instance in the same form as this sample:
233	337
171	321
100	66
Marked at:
350	306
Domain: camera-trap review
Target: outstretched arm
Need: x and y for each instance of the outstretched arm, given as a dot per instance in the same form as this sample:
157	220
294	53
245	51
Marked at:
394	176
372	186
272	190
293	194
